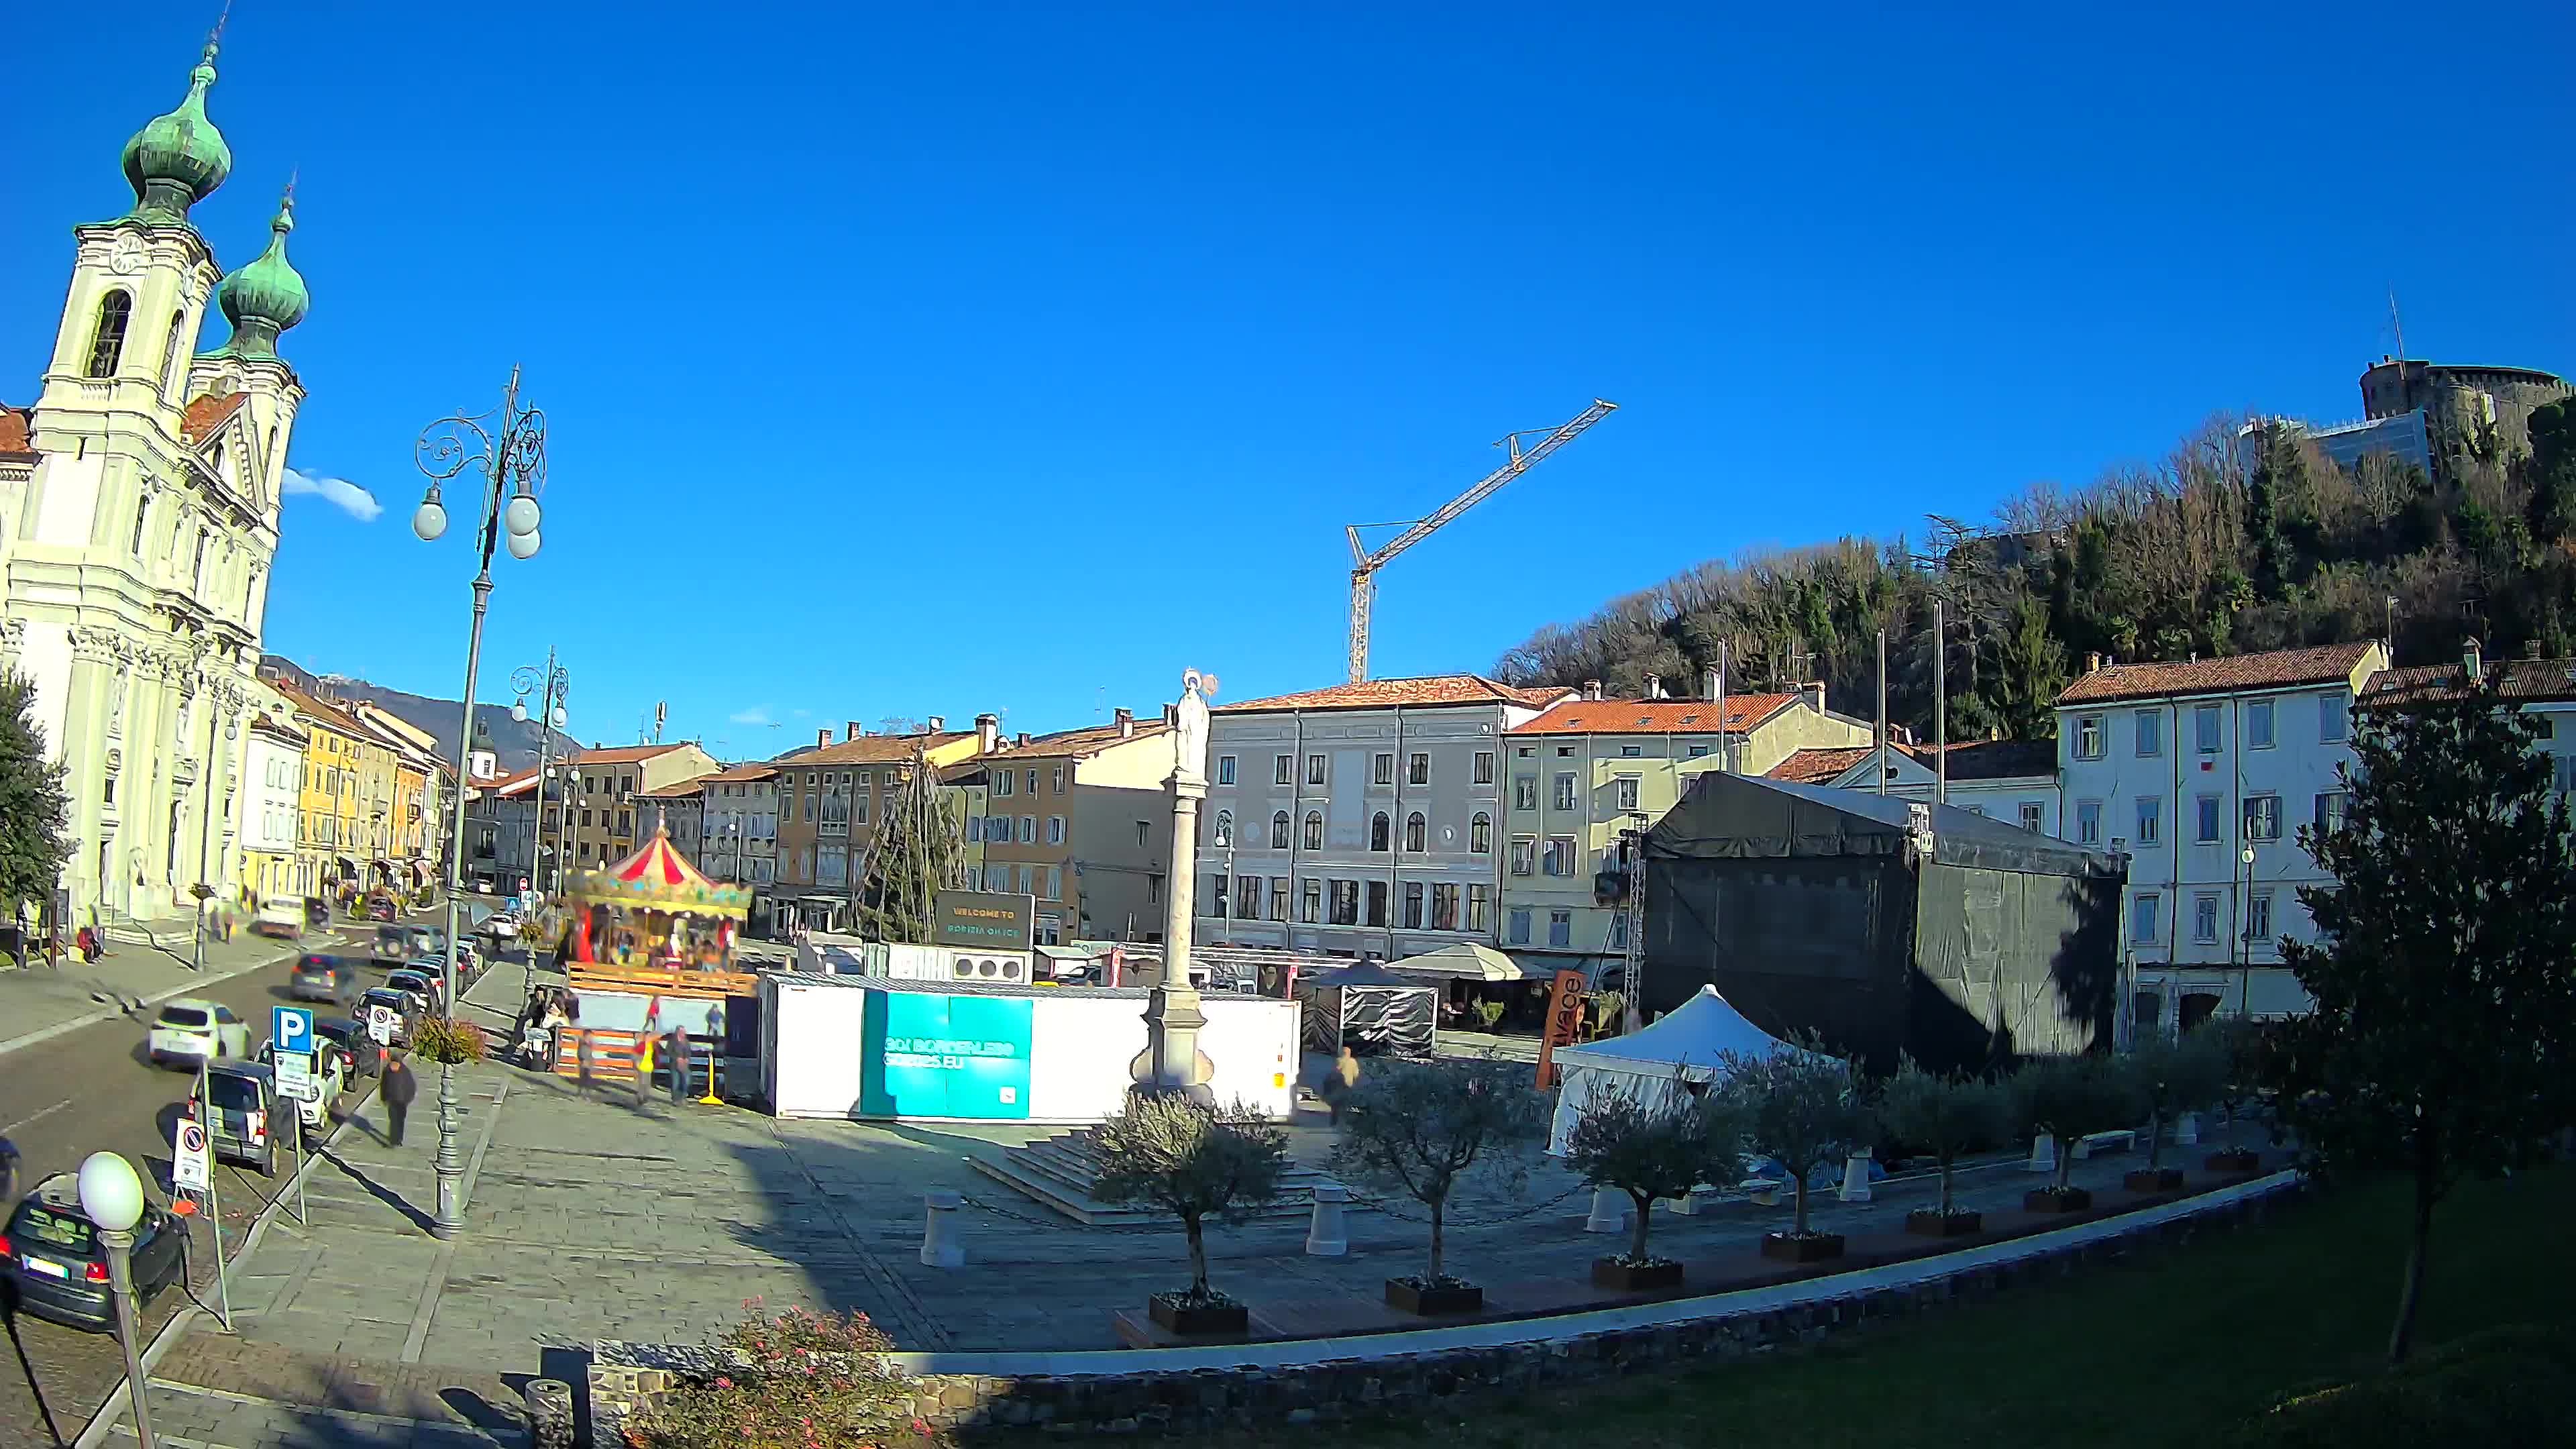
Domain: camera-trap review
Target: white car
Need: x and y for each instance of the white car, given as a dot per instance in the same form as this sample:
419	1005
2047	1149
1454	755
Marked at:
191	1029
503	927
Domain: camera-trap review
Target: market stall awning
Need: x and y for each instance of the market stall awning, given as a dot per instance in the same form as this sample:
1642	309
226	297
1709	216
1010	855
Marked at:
1465	961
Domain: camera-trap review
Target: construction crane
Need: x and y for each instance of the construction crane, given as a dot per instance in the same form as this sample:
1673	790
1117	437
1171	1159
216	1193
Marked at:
1365	564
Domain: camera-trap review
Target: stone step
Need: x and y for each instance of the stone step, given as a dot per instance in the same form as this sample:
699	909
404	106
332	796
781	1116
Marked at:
1057	1173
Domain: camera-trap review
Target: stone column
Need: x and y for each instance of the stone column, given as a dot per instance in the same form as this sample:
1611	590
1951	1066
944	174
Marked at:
1171	1062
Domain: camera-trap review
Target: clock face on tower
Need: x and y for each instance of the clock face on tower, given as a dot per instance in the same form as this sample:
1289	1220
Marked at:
126	257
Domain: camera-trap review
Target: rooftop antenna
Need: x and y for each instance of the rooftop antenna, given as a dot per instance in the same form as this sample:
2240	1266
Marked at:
2396	326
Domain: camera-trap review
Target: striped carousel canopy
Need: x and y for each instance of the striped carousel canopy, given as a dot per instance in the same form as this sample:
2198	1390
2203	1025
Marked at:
659	878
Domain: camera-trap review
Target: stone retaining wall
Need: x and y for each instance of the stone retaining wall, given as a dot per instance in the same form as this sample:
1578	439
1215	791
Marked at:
627	1377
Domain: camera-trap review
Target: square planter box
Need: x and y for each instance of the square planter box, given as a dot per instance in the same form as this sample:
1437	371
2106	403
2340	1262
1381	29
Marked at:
2153	1179
1447	1298
1933	1223
1198	1320
2234	1159
2050	1200
1813	1248
1612	1274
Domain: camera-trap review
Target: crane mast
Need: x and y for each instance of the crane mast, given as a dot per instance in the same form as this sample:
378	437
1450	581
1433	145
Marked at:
1366	563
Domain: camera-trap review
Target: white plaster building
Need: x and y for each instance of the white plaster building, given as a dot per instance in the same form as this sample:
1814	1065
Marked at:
2190	768
740	822
136	544
1344	820
2014	781
272	802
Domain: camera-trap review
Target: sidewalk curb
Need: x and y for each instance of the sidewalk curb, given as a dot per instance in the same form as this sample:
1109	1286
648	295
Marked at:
103	1423
66	1028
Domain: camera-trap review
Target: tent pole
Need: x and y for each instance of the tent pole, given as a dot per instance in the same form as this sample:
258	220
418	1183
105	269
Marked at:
1940	710
1879	756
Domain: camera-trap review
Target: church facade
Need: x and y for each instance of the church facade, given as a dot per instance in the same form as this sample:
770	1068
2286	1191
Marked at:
138	521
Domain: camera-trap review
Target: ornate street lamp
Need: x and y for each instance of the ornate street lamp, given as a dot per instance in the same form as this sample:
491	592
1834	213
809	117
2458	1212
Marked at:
112	1198
508	448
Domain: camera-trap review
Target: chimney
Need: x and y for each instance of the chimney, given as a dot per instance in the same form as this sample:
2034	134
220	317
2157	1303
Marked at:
1592	689
988	731
1814	690
2472	660
1126	723
937	724
2093	662
1708	684
822	738
850	730
1654	686
1024	738
1172	716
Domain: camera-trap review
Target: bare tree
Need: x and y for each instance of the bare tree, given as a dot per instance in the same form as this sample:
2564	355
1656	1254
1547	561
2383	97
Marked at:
1424	1128
1659	1144
1194	1162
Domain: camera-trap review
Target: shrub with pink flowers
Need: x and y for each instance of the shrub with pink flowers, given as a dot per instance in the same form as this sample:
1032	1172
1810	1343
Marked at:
801	1380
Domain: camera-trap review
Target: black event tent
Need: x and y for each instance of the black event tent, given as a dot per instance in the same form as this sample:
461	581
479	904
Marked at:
1882	924
1369	1009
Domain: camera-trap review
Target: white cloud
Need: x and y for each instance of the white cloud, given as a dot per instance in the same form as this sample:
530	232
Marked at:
340	493
758	714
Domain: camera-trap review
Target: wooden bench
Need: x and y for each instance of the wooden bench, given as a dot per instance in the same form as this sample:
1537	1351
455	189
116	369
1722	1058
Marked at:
2122	1140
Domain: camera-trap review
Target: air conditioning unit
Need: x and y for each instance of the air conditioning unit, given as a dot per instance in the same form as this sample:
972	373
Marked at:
989	968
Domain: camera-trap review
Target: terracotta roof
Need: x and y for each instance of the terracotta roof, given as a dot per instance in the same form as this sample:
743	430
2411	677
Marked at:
684	790
1823	767
1386	693
2278	668
330	714
207	413
622	754
757	770
1078	743
509	783
15	426
872	749
1654	716
2534	679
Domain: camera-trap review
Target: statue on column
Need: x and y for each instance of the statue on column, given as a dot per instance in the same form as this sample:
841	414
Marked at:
1172	1062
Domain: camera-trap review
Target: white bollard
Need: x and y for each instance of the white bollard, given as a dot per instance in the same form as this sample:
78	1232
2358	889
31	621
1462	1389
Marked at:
1609	1211
1326	1237
1856	1176
2043	1153
939	1245
2187	1129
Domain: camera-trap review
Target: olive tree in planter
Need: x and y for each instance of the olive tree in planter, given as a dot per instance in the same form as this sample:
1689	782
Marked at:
1648	1145
1195	1162
2237	1046
1943	1117
1804	1108
2172	1076
2069	1099
1421	1129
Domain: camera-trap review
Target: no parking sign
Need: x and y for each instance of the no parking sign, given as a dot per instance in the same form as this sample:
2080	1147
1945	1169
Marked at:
188	1166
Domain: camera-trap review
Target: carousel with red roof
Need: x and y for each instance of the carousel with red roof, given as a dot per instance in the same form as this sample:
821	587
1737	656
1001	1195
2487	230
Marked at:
653	910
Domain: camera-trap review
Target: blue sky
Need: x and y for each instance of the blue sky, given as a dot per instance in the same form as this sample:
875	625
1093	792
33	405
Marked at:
906	360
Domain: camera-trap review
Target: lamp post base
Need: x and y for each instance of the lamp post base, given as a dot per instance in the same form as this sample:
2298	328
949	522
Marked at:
451	1170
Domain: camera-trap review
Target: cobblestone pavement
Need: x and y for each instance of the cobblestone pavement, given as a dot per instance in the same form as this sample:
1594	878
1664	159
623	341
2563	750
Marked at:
195	1418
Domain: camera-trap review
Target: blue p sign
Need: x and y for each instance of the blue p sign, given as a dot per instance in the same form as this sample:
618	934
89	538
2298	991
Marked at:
291	1028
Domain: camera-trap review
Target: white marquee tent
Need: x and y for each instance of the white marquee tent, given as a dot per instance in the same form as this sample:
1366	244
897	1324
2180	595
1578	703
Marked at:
1685	1042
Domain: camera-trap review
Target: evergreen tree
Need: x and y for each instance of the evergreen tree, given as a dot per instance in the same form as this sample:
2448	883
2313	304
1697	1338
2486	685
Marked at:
35	818
2439	1046
915	855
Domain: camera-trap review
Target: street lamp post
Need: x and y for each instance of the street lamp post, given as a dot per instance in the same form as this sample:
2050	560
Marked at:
112	1197
508	447
550	687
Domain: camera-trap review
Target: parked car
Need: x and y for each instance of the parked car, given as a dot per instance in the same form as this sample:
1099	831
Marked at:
406	1011
313	1115
420	982
325	978
53	1253
394	945
348	1038
239	1127
278	916
192	1030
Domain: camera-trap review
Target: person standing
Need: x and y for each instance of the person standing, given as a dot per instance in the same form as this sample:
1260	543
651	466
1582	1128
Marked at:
586	1059
679	1065
1346	1075
398	1091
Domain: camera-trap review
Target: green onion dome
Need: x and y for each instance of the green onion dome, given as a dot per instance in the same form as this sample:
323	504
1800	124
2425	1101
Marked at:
178	159
266	297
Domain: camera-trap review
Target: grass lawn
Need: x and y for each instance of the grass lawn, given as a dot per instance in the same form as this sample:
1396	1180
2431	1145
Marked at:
2168	1349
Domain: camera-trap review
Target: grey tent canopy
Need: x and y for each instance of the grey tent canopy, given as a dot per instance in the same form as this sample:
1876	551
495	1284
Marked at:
1369	1009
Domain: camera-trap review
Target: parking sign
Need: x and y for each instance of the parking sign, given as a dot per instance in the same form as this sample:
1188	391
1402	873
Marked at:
295	1079
188	1166
291	1029
380	1024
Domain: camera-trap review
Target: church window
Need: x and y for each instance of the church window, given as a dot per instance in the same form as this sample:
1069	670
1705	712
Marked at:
142	520
219	462
197	570
107	341
170	356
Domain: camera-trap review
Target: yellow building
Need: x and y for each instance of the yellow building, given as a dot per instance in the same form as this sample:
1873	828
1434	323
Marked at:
348	797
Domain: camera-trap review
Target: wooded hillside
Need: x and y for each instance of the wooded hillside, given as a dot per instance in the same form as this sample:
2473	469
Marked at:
2224	548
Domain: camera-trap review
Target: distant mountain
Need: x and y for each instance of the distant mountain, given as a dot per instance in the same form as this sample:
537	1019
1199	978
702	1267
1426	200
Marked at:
513	742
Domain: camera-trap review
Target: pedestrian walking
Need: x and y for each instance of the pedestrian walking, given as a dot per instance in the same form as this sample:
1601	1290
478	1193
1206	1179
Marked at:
398	1091
8	1172
1337	1087
679	1065
586	1057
